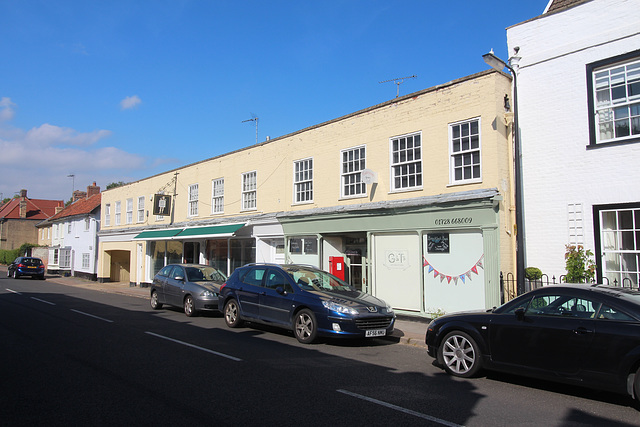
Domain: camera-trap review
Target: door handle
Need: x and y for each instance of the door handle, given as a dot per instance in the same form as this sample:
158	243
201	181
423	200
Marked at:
582	331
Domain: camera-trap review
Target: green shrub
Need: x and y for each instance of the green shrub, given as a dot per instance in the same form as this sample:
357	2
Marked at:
579	264
533	273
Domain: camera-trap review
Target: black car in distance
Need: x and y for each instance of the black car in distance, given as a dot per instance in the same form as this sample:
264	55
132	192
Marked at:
26	266
576	334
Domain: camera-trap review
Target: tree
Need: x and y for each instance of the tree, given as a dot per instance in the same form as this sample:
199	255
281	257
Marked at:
115	185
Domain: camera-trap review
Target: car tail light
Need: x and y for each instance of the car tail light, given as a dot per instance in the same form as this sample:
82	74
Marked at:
21	265
222	286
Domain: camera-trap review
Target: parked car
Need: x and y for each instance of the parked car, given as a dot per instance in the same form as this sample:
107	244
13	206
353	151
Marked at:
193	287
308	301
576	334
26	266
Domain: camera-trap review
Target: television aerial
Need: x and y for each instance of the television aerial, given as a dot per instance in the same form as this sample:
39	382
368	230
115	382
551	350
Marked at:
253	118
398	82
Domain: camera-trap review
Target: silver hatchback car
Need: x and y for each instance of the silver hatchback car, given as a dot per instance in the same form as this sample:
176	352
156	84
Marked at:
191	286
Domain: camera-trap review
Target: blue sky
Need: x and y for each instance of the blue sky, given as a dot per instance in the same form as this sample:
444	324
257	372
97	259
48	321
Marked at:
121	90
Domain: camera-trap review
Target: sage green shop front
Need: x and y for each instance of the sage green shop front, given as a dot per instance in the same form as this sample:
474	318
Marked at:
403	266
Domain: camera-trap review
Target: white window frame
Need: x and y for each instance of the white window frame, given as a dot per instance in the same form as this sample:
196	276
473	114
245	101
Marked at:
614	236
352	162
303	181
86	260
464	157
614	106
405	168
140	209
217	196
249	191
87	223
107	214
192	207
129	214
117	212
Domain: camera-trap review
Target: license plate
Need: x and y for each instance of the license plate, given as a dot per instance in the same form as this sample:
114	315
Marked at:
31	266
375	333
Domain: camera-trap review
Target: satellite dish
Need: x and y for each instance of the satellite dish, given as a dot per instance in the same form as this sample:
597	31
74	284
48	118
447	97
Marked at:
369	177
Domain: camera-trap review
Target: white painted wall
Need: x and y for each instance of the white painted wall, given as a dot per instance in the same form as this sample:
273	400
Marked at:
553	113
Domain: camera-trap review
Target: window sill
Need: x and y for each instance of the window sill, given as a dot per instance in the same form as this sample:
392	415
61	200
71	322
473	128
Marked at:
359	196
457	184
612	143
406	190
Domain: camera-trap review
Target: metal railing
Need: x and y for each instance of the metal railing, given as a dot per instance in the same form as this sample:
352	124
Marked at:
509	288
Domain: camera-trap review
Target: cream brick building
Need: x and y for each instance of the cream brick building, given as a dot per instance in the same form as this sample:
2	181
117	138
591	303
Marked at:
409	199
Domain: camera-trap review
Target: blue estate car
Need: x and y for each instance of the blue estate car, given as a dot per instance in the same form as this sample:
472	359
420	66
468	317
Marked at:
26	266
308	301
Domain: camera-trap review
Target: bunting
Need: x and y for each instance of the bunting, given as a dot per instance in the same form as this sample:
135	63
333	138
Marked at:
462	277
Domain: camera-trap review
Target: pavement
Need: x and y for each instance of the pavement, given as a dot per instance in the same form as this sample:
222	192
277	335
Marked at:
408	330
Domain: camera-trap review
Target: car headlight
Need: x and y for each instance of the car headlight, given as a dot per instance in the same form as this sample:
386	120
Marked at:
339	308
209	294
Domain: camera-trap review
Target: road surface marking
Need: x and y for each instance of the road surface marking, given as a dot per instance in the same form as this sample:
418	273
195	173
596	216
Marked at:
91	315
196	347
401	409
41	300
15	292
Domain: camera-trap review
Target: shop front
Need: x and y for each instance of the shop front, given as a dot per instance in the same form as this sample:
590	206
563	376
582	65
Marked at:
423	256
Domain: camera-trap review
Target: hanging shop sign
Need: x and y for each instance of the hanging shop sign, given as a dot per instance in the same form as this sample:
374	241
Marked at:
161	204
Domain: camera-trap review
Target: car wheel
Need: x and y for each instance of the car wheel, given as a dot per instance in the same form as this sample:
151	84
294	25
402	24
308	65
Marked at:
305	327
232	314
41	277
460	355
189	307
154	301
636	386
15	274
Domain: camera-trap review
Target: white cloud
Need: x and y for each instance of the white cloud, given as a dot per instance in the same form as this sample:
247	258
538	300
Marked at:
130	102
47	134
40	159
6	109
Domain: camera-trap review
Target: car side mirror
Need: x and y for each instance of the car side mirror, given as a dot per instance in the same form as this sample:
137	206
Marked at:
281	290
179	278
520	313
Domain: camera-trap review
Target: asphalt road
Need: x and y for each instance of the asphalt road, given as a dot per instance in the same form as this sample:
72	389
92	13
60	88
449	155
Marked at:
74	356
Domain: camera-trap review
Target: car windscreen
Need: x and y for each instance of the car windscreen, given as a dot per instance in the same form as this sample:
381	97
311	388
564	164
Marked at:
204	274
316	280
31	261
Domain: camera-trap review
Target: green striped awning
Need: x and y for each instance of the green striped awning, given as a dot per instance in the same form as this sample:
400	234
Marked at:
217	230
158	234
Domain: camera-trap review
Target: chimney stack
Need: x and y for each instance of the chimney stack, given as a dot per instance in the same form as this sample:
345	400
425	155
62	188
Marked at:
23	194
92	190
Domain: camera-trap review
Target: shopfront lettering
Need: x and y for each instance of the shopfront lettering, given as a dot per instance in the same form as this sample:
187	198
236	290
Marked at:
454	221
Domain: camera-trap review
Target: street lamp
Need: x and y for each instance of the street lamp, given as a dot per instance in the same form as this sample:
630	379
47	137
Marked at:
499	65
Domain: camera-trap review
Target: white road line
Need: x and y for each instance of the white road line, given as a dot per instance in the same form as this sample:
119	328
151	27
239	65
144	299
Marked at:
15	292
401	409
91	315
41	300
195	346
